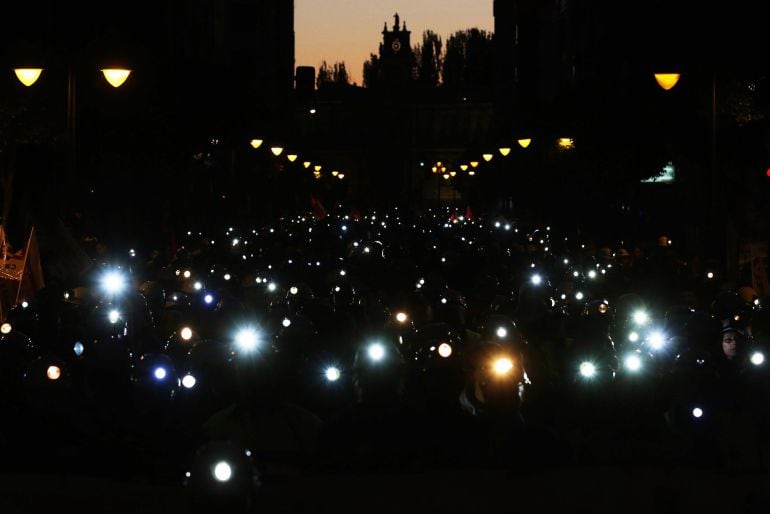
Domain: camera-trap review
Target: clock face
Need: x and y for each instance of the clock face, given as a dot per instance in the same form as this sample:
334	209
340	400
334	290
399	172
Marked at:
396	45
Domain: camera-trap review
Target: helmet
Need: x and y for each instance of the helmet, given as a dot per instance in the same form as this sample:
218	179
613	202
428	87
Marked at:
222	478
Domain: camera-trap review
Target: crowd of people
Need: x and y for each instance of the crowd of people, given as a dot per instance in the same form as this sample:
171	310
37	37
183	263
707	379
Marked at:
383	343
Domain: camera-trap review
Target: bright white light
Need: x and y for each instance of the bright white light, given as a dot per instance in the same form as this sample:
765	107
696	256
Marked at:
656	340
160	373
502	365
332	374
401	317
293	290
272	287
579	296
186	333
208	298
227	276
343	273
633	363
188	382
756	302
113	282
507	227
286	322
633	337
366	249
443	300
710	275
566	261
78	348
235	242
587	369
223	471
497	224
6	328
445	350
187	274
592	274
114	316
697	412
247	339
53	372
641	317
376	352
197	286
344	228
757	358
501	332
536	280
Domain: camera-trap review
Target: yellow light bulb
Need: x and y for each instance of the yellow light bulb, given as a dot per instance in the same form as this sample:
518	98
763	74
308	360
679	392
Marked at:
116	76
524	142
255	143
292	157
667	80
504	151
277	150
28	76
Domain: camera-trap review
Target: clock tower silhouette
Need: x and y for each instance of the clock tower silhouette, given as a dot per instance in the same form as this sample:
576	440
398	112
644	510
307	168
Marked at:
396	54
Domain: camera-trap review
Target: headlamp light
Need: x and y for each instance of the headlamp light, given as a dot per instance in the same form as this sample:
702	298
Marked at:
587	369
208	299
272	287
401	317
293	290
6	328
159	373
197	286
188	381
501	332
113	282
536	280
502	366
633	363
187	274
656	340
633	337
445	350
641	317
114	316
286	322
186	333
222	471
332	374
697	412
53	372
757	358
376	352
247	339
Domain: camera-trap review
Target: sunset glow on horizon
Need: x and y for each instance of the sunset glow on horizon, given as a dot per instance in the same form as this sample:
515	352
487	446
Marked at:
351	30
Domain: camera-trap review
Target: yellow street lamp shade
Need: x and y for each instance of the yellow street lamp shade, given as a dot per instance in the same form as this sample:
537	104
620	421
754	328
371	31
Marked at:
474	164
116	76
256	143
434	169
277	150
667	80
292	157
464	167
504	151
453	173
525	142
28	76
306	164
341	176
317	174
566	143
446	176
317	167
335	173
487	156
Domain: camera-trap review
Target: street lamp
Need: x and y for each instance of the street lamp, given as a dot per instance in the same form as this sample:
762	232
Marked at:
29	76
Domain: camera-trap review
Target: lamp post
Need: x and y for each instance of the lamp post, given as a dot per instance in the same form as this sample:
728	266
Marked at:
28	76
668	81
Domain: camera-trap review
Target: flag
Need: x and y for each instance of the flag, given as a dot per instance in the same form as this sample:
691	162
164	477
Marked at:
318	209
31	279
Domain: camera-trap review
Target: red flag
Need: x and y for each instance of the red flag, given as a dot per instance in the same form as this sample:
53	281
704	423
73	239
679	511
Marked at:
318	209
